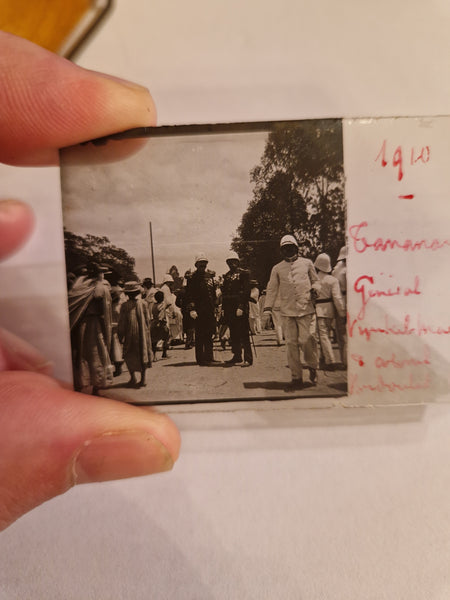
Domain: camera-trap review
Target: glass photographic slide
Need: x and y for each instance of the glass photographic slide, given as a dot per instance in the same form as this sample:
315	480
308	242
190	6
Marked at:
208	264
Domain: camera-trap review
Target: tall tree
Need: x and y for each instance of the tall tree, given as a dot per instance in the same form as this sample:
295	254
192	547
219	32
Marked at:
82	250
298	189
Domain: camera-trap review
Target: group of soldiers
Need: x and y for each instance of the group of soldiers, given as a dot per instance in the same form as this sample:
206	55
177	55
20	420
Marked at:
306	302
203	295
112	324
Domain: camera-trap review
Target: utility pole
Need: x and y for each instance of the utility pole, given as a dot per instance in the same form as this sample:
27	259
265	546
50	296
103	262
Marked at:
153	254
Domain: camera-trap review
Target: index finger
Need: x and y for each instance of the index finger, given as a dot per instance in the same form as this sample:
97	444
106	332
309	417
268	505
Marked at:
48	103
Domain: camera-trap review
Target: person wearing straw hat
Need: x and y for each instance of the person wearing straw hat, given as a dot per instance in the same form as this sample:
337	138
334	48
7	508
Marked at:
292	281
134	333
328	303
201	304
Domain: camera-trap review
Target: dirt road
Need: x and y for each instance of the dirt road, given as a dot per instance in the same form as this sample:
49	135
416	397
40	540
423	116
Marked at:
179	379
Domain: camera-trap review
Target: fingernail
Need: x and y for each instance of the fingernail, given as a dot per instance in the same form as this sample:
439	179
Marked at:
118	455
9	209
133	99
124	82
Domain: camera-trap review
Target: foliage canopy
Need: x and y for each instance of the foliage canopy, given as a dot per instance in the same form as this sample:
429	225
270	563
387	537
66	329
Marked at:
85	249
298	189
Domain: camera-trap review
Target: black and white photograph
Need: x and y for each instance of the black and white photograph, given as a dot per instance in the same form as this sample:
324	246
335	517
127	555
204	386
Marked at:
210	265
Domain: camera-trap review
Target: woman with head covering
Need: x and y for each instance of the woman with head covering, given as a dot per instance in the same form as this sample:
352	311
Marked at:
134	333
90	315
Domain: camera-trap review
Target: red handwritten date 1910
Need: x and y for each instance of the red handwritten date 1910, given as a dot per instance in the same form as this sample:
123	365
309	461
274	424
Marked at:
399	157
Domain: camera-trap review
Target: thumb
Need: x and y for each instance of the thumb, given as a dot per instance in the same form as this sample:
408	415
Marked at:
52	439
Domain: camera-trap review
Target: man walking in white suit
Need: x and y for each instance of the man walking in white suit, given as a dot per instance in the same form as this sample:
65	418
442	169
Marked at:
293	280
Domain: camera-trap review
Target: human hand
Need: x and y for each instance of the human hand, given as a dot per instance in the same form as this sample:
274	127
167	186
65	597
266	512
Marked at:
50	437
239	312
193	314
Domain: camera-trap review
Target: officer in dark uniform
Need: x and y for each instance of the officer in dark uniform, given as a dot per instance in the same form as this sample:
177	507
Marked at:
201	303
235	299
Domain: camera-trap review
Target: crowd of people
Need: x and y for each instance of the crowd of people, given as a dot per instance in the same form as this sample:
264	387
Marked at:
115	323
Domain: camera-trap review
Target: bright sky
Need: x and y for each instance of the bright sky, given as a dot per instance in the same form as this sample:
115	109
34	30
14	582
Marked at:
193	189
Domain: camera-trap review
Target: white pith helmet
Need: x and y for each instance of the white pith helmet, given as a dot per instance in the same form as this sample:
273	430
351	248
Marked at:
342	253
232	256
288	240
201	257
323	263
168	278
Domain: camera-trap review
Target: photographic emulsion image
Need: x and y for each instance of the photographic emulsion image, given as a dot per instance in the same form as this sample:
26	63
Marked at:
210	265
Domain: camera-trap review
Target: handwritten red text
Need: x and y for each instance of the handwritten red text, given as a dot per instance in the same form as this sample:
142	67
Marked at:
362	244
399	157
406	327
363	287
401	363
381	385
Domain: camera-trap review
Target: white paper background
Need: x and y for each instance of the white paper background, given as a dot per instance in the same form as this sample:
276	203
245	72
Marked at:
343	504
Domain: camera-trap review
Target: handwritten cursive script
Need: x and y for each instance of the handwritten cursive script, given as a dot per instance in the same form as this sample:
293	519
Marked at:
362	244
363	287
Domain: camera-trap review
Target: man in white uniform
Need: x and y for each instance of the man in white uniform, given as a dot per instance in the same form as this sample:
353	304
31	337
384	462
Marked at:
293	280
340	272
329	306
174	317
